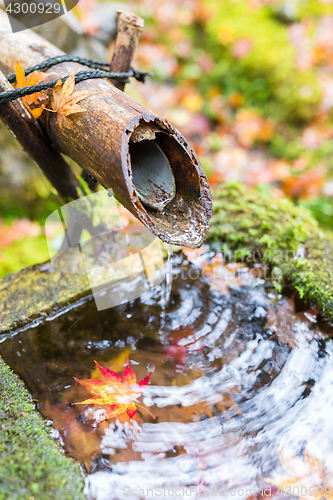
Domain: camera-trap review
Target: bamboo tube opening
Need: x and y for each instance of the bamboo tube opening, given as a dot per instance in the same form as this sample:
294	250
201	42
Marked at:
166	180
152	174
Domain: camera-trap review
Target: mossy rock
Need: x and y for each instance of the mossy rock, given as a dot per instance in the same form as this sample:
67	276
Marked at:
37	291
250	226
32	464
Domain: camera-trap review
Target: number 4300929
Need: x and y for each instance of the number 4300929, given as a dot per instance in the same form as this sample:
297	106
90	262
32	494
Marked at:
33	8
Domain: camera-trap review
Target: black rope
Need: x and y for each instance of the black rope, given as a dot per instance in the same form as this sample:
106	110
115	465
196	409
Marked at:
11	95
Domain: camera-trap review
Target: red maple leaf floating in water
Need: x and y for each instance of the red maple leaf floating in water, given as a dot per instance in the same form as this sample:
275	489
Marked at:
118	392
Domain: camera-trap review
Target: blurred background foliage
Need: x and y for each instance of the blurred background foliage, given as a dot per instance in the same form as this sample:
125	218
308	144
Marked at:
248	82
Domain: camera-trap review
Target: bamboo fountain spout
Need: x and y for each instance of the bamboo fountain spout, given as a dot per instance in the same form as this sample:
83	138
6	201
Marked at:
150	166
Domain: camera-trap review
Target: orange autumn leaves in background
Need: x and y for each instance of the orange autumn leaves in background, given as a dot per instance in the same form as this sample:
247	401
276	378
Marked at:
64	100
118	392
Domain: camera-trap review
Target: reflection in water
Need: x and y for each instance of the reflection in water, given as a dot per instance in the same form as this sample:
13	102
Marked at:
227	391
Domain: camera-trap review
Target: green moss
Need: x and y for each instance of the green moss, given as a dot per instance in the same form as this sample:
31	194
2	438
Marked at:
267	76
32	293
314	9
23	253
32	465
251	226
18	203
24	191
322	210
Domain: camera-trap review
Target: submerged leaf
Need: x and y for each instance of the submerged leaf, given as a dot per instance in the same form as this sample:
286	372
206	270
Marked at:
81	441
181	343
115	364
308	472
291	328
222	276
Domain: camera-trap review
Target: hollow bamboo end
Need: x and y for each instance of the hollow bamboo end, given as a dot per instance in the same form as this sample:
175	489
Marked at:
170	191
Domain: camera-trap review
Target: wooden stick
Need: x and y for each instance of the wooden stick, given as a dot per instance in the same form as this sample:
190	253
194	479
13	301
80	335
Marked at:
129	29
30	135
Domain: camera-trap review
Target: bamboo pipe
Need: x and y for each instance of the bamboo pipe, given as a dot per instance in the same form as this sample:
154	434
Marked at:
129	29
105	138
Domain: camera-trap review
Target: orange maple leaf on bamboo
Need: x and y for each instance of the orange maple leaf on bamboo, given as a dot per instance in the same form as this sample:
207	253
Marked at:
38	99
118	392
64	100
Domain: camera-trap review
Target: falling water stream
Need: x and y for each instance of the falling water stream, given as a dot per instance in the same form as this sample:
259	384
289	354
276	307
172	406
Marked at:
167	283
226	391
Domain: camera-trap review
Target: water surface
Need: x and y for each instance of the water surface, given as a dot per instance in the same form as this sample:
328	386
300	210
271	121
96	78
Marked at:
226	391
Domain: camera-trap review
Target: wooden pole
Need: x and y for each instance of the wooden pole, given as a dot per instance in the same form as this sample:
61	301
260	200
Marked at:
34	141
100	141
129	29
